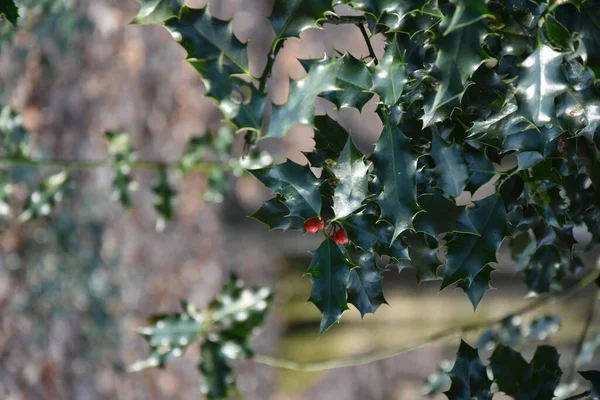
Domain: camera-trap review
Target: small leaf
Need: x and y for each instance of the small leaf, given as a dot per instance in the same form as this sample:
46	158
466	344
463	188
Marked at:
395	165
298	186
442	215
218	381
522	380
163	200
469	254
479	286
352	176
423	250
450	166
389	76
541	80
364	287
469	377
274	214
9	10
169	336
42	200
330	276
122	156
157	11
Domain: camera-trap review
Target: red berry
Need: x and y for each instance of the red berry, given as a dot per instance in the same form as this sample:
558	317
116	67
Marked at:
313	225
340	237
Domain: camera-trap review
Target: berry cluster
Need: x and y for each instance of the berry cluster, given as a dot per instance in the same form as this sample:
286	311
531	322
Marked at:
334	230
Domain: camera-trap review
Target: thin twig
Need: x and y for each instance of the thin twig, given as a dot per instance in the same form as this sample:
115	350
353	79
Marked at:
334	19
588	323
363	30
262	84
77	164
377	355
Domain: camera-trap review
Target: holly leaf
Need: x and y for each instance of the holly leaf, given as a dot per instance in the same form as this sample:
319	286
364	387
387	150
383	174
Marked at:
169	336
364	286
157	11
469	254
163	199
327	75
390	76
450	166
330	138
581	110
468	376
292	17
395	166
274	214
594	378
220	59
238	311
522	380
296	184
478	287
366	232
10	11
218	381
467	12
352	178
540	82
330	276
441	215
422	250
48	194
460	54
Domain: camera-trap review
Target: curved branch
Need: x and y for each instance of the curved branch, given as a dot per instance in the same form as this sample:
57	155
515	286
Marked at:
377	355
77	164
368	41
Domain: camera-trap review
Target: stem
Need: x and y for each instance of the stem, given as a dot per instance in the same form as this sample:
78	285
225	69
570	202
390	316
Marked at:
343	19
76	164
377	355
584	333
269	67
363	30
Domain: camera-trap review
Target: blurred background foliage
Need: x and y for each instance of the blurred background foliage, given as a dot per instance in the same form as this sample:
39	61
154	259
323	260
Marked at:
77	283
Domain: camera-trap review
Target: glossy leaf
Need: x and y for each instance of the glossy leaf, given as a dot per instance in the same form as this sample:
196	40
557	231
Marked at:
469	254
218	381
423	252
330	276
540	82
390	76
469	377
351	179
364	286
274	214
395	165
296	184
450	171
292	17
157	11
441	215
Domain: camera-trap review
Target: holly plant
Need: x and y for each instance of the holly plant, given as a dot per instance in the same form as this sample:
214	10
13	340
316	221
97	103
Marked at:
474	97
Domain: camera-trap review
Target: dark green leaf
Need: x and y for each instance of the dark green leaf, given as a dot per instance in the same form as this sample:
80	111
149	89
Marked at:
9	10
468	376
479	286
365	232
395	165
467	12
330	138
274	213
364	286
442	215
163	200
389	77
469	254
218	381
330	276
42	200
541	80
450	166
522	380
297	184
157	11
460	53
292	17
422	250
